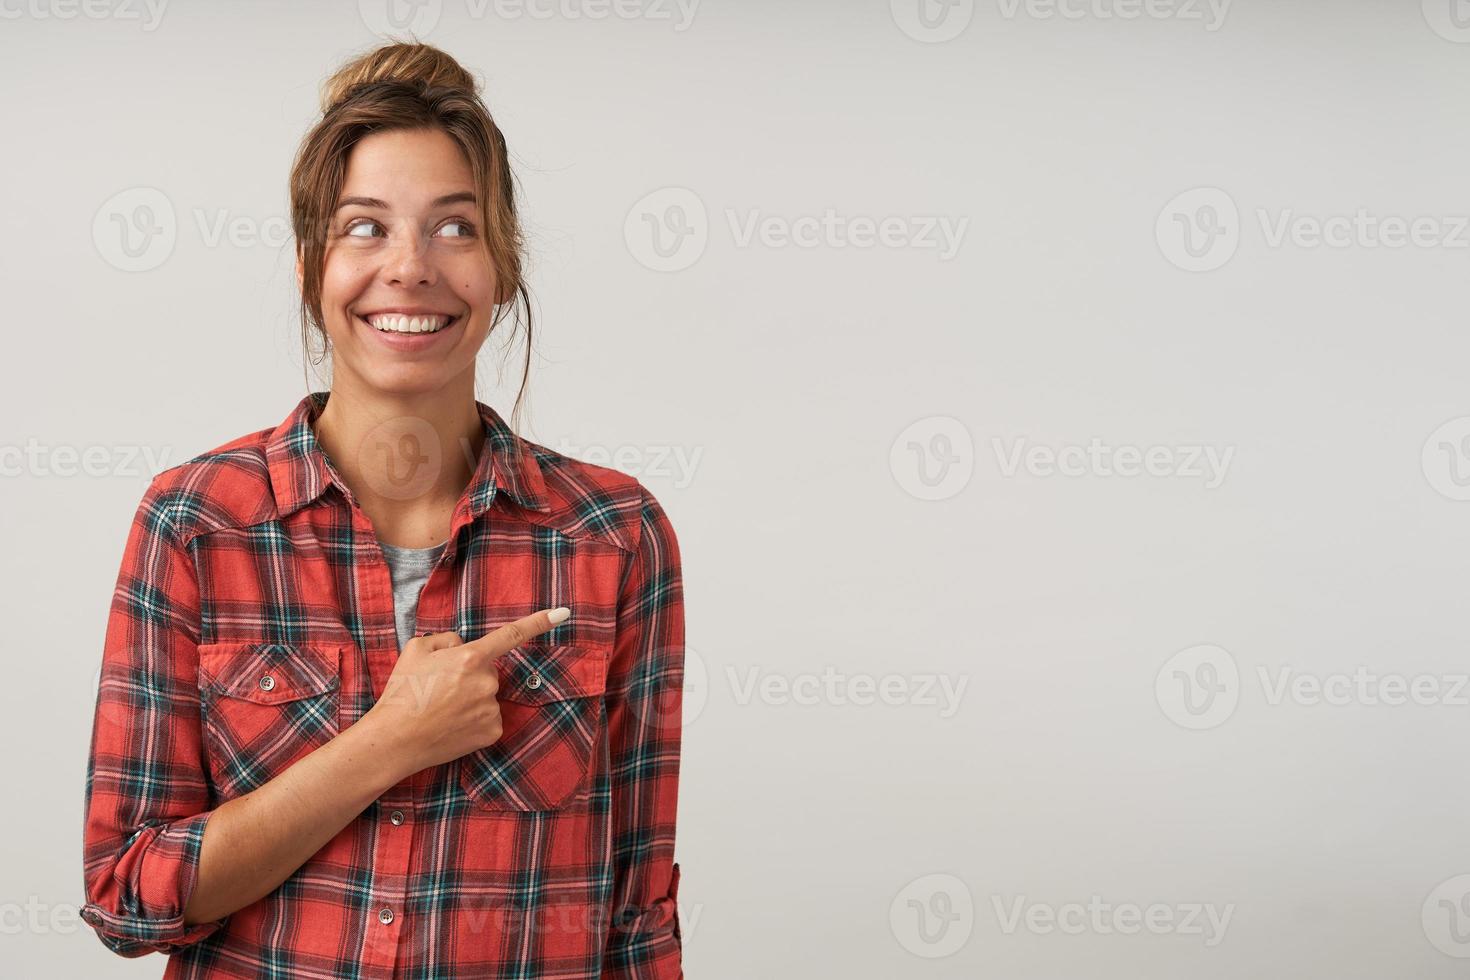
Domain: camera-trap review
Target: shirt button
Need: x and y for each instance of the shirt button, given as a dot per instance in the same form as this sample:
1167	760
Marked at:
397	817
534	681
385	916
267	683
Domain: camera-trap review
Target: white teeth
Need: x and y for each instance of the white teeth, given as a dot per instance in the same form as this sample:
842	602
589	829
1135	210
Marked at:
396	323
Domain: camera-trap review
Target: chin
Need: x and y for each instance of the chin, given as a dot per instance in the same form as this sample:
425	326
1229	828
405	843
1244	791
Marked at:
405	379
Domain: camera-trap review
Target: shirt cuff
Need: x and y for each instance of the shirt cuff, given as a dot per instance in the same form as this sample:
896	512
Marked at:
647	943
130	916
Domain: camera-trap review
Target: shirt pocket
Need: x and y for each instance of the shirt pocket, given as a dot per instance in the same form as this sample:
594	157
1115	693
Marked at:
265	705
552	717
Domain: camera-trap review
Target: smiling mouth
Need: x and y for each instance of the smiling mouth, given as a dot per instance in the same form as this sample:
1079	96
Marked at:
397	323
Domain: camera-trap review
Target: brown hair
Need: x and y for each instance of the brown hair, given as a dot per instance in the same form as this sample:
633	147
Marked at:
406	85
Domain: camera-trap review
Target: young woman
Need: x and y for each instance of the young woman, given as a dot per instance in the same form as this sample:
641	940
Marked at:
387	690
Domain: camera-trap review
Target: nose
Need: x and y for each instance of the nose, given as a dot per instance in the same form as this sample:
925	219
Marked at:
407	262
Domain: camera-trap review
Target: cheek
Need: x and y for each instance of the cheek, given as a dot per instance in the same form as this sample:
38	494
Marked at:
341	277
342	283
471	277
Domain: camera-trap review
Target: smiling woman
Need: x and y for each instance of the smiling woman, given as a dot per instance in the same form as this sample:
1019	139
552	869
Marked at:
377	244
387	689
448	223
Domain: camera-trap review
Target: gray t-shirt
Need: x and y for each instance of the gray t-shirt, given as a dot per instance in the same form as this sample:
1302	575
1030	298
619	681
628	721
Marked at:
410	569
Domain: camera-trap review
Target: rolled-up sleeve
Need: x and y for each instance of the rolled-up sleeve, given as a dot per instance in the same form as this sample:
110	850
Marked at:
147	792
645	715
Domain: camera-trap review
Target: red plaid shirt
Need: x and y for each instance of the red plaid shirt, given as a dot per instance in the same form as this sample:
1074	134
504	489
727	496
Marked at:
548	854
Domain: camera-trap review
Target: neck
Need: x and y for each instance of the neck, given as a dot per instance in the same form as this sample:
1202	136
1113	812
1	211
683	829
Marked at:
404	456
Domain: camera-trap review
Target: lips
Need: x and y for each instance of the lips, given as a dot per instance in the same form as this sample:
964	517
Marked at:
416	322
407	344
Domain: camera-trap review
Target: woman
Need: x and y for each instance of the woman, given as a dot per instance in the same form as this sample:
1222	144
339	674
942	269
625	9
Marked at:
386	690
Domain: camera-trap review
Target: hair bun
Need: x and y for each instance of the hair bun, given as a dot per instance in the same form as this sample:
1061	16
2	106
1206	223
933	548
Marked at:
399	62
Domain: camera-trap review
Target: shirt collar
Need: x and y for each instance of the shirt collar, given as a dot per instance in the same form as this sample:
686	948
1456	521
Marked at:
300	471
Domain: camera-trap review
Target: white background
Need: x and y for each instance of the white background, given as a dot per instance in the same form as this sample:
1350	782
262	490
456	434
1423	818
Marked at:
847	414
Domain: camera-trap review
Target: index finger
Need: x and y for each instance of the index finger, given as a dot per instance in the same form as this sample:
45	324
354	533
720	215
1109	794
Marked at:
503	639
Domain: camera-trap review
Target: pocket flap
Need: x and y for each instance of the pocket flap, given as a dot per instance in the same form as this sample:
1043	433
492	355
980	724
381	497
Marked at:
268	673
538	674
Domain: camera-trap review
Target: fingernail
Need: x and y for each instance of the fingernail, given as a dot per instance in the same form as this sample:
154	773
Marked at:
558	614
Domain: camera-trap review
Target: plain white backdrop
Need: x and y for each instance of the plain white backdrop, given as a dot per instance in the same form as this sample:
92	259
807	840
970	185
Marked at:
1062	407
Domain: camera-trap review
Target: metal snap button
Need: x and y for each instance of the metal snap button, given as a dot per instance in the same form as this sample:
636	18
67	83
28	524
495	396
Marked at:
267	683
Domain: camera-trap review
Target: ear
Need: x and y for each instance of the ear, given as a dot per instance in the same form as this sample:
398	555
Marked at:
300	271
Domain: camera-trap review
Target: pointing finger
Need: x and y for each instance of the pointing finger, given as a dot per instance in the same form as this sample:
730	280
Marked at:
505	638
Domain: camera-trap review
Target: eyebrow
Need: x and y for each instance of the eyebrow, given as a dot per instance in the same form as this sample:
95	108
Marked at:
458	197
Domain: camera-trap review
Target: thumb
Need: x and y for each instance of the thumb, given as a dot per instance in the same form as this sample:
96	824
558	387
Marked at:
438	641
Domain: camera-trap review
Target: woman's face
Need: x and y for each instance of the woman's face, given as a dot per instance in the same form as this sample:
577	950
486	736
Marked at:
404	257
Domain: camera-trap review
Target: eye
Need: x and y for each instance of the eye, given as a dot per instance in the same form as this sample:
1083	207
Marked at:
467	229
352	230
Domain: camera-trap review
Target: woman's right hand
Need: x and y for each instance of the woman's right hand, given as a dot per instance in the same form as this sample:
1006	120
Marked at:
439	703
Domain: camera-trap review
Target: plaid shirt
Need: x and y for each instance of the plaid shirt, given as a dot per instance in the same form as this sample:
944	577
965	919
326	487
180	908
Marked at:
253	621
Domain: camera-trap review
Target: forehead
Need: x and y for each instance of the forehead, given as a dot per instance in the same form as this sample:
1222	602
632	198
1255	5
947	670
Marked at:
406	166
